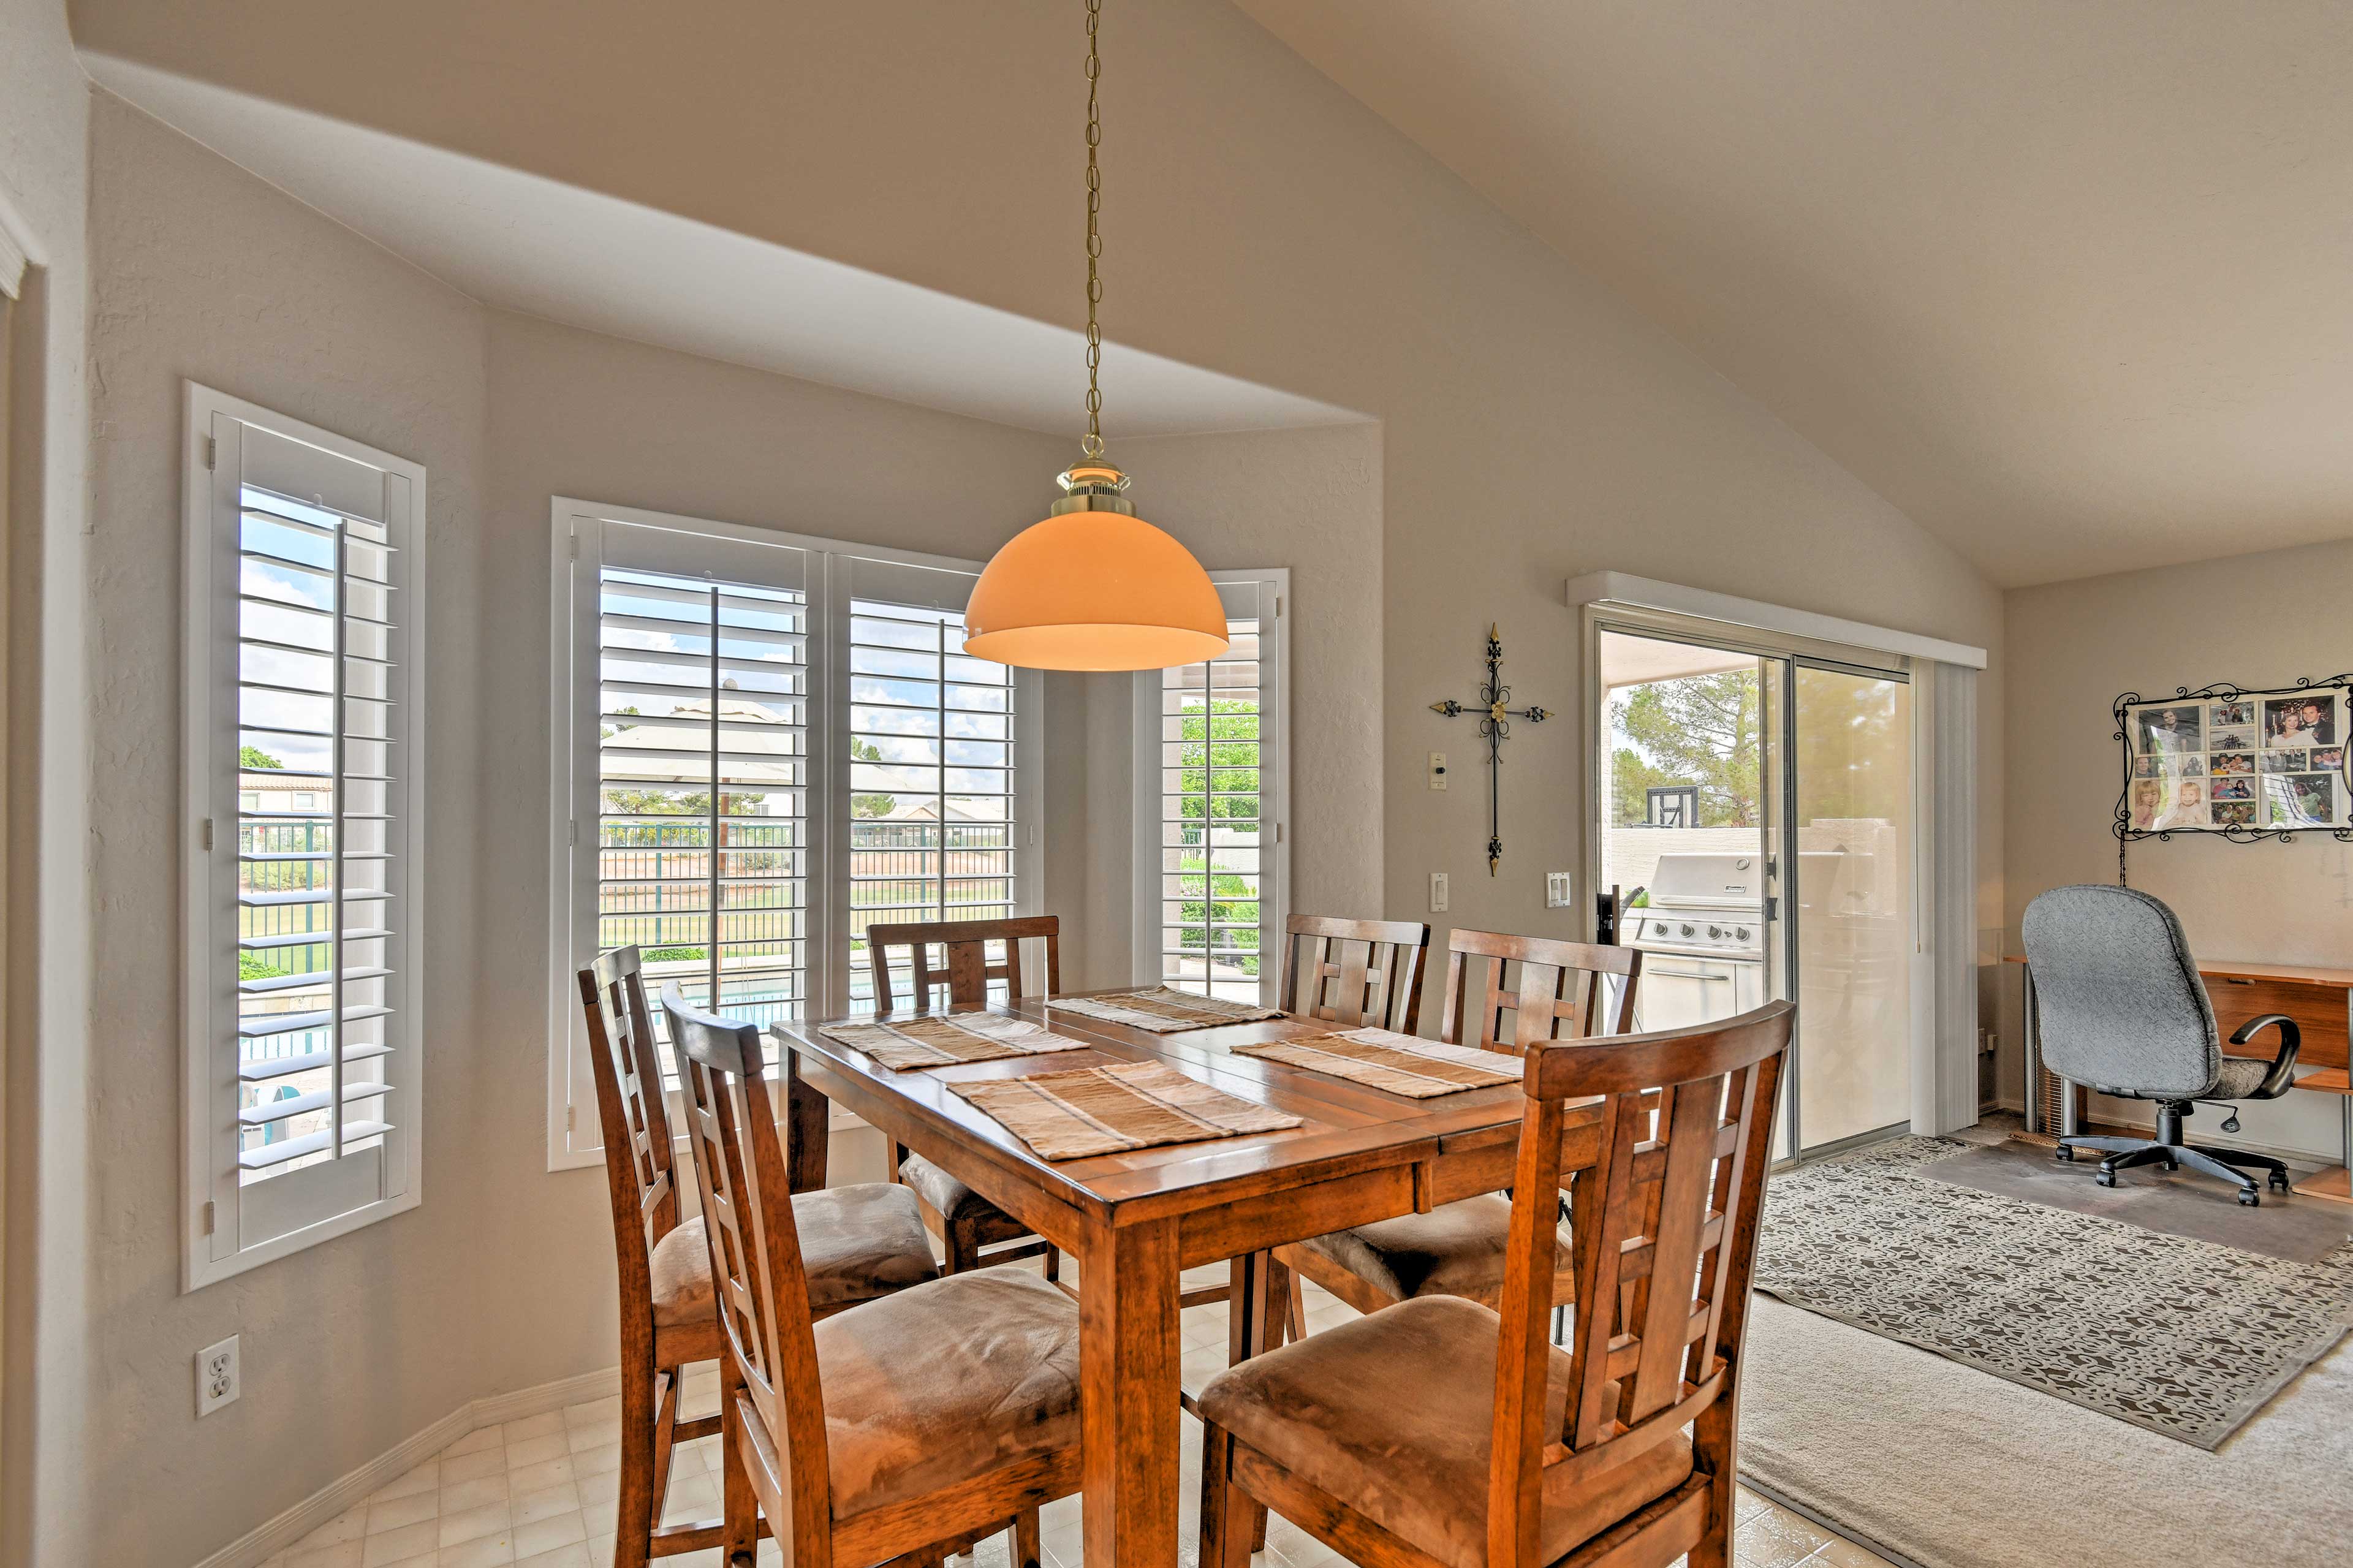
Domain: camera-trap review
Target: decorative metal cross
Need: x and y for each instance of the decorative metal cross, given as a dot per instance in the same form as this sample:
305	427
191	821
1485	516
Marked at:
1494	723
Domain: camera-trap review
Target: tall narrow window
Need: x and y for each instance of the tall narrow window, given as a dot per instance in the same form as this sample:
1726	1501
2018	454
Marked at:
763	743
302	988
702	814
1211	770
931	777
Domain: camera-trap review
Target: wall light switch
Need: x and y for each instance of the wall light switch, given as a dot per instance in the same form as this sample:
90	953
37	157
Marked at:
1437	892
1559	889
1438	770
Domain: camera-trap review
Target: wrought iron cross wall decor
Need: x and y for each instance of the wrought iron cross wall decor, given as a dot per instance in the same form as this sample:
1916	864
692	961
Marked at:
1496	724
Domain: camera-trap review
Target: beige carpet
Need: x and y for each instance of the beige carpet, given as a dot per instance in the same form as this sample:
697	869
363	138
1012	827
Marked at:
1953	1468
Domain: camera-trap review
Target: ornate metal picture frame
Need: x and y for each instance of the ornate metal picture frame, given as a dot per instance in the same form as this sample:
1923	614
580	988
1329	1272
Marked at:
2241	765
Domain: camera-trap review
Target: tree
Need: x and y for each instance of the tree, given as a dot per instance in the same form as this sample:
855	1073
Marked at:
1698	730
869	806
253	757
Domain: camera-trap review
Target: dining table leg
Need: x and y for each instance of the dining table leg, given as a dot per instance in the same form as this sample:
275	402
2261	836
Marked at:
809	1128
1128	1355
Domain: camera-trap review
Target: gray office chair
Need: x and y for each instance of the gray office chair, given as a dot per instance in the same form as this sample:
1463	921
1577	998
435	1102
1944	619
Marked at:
2123	1010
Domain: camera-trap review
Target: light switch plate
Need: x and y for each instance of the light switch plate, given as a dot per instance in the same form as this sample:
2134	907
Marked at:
1437	892
1438	770
1561	889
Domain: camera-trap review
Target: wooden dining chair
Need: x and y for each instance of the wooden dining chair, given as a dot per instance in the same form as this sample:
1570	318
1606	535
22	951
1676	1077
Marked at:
976	1232
1359	972
896	1432
1442	1433
866	1241
1552	990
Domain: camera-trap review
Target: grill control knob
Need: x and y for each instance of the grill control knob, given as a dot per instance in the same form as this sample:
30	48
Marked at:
1740	934
1687	930
1713	931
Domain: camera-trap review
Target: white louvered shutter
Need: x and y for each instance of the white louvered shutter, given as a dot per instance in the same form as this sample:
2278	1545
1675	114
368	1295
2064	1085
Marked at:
1210	776
932	763
303	985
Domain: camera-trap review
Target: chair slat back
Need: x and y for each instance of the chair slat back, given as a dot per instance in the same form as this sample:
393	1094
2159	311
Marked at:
1359	972
1664	1239
627	1068
970	968
1554	989
756	1274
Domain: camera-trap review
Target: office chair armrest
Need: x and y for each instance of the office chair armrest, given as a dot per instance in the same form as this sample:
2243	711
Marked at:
2275	1082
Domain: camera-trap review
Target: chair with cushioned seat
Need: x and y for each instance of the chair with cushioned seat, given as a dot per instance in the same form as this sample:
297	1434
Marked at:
896	1431
861	1242
1440	1433
1557	989
975	1231
2121	1008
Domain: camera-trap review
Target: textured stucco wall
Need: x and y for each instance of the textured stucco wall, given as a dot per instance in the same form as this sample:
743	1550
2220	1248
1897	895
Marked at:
1268	225
204	272
46	1493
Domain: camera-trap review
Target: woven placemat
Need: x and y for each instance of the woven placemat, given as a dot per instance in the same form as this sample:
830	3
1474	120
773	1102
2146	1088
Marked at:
907	1044
1400	1064
1108	1109
1164	1010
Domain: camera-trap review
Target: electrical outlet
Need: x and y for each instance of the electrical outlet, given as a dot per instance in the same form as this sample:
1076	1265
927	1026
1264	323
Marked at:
1438	770
217	1377
1561	889
1437	892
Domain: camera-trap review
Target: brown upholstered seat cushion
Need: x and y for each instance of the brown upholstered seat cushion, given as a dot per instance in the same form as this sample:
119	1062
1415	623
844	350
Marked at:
1391	1414
857	1243
937	1384
1456	1250
949	1198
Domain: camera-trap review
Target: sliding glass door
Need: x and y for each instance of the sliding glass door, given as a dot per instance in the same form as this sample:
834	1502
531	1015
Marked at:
1851	777
1755	822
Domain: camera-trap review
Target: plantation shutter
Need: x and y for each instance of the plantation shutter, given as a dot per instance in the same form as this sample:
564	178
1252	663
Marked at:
696	825
1210	796
303	986
761	742
931	744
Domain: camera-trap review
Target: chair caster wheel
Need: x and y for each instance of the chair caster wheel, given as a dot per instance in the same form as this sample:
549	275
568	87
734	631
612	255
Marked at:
2105	1178
2064	1154
2278	1182
2250	1198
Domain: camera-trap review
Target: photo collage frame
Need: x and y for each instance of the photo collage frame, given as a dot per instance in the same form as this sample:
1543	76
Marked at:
2236	762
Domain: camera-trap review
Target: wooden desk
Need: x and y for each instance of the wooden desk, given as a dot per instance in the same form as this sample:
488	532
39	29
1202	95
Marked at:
1134	1221
2320	1000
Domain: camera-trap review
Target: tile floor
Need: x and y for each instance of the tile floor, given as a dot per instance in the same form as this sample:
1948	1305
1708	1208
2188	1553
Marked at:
541	1492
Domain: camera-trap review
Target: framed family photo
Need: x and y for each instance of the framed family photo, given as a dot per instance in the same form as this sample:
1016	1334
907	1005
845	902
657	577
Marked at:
2245	764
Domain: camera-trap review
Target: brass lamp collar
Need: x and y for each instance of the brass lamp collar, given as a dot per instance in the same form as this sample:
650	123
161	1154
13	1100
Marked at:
1092	487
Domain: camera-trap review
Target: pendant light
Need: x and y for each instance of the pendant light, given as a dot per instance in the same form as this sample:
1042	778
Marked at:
1094	587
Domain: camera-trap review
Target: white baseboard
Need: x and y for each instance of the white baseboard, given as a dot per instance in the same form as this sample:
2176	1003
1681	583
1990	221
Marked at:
258	1545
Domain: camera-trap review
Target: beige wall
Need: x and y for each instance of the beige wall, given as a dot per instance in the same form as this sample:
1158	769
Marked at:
1532	428
45	1418
204	272
1261	223
2255	620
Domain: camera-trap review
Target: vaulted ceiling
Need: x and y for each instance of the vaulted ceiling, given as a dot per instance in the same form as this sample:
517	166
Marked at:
2069	282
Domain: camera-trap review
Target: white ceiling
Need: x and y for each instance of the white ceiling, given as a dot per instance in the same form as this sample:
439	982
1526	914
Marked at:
2069	282
534	244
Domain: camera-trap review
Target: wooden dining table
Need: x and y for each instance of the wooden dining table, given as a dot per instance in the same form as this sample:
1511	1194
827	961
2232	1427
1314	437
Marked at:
1136	1221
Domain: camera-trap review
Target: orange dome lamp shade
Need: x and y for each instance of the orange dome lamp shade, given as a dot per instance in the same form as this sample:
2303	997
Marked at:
1094	587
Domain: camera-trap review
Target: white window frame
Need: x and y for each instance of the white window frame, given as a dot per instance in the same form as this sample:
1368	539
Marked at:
215	1203
1269	590
573	1132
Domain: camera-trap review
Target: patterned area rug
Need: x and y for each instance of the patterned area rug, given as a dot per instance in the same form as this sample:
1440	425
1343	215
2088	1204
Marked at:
2185	1338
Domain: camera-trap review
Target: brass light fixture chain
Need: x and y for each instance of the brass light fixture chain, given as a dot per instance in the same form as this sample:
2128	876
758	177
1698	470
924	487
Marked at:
1091	442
